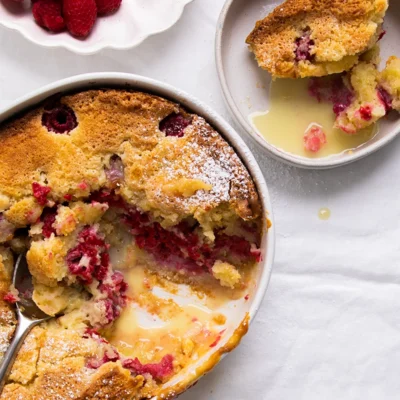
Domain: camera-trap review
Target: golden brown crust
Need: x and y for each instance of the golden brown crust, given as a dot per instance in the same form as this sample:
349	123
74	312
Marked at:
340	31
126	124
112	382
109	382
14	391
198	175
51	365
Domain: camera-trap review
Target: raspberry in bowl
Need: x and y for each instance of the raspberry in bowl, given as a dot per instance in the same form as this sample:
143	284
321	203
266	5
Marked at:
143	226
88	26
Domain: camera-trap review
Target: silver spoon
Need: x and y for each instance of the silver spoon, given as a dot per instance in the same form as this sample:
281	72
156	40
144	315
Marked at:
29	315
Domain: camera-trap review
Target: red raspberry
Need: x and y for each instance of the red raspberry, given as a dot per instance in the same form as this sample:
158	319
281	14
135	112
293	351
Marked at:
366	113
40	193
303	47
107	6
80	16
158	371
10	298
174	125
48	218
314	139
48	14
60	119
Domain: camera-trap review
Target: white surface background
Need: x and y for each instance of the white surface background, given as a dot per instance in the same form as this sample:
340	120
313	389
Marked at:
329	325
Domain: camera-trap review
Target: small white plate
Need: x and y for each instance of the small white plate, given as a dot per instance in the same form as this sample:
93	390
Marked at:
128	27
243	81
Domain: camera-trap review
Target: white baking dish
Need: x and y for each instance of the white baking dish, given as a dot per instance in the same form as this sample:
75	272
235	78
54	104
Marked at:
241	309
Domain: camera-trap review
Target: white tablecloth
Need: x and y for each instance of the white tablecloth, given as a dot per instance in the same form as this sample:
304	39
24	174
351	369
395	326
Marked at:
329	324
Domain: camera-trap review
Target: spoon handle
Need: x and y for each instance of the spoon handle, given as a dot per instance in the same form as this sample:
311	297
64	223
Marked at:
23	328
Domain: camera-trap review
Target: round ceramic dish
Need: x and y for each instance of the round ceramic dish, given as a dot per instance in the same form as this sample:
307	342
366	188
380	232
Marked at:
236	311
245	85
131	25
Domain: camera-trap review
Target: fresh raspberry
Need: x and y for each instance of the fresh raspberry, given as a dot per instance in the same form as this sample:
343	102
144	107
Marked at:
107	6
60	119
366	113
48	14
314	139
174	125
80	16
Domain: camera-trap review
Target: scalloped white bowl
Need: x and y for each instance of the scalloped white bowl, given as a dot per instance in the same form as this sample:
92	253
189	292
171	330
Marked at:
128	27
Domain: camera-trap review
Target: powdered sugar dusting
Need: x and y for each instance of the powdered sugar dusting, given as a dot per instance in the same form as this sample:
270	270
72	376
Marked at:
211	160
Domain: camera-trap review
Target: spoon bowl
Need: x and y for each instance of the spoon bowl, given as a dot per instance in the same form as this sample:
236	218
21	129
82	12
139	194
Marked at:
22	281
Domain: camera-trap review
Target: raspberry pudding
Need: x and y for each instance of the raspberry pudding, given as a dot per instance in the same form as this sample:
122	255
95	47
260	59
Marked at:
305	38
362	96
323	116
123	200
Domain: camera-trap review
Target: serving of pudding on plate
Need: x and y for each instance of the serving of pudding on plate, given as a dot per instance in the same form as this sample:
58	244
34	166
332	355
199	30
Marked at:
332	51
122	200
303	38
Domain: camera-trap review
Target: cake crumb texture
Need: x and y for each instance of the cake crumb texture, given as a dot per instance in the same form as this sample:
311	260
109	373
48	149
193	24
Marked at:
304	38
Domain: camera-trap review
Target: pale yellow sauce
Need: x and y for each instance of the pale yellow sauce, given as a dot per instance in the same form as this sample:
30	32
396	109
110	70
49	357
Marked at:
152	326
324	214
292	111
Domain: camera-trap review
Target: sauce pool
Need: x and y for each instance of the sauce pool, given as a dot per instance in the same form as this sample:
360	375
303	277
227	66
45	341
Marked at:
292	111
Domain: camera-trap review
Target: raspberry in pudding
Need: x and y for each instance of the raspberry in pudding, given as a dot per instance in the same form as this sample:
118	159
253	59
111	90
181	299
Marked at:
314	138
60	119
360	97
174	125
304	46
